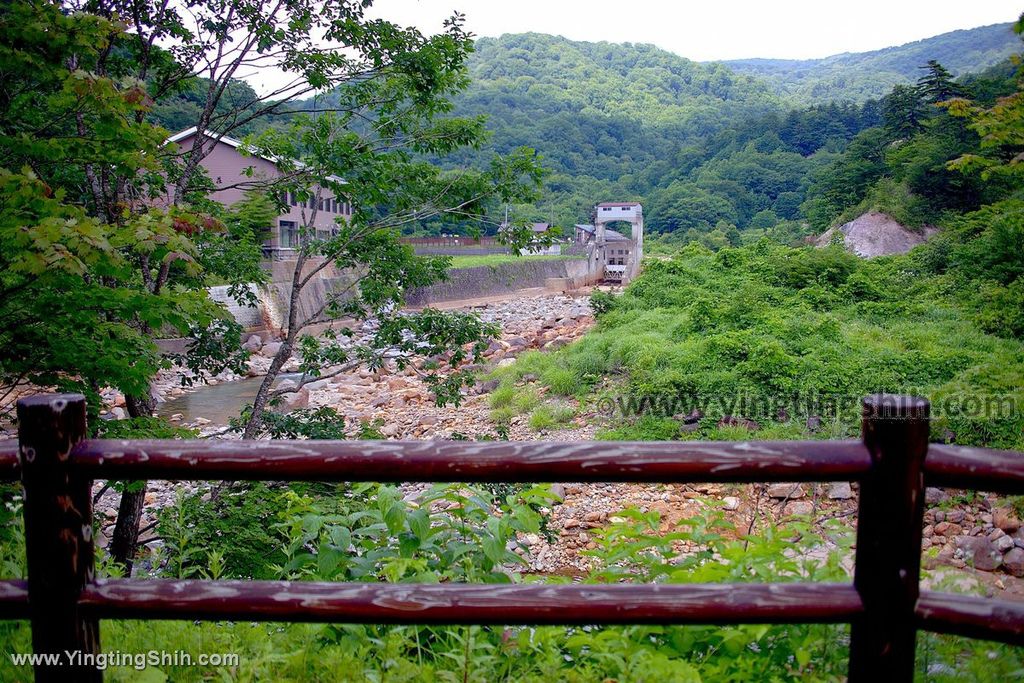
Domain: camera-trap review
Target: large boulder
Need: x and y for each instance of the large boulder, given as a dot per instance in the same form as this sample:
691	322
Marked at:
980	553
297	399
253	343
876	234
270	350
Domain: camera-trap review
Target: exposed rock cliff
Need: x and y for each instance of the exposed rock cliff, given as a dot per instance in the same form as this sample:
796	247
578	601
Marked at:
877	234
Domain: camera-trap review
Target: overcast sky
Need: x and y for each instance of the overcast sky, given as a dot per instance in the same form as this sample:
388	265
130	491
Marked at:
716	29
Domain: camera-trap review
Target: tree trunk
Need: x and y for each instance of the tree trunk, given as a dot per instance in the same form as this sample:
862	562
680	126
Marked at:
129	512
125	540
259	404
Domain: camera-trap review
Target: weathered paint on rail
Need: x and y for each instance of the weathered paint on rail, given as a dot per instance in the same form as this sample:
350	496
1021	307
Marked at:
459	603
983	469
392	461
971	616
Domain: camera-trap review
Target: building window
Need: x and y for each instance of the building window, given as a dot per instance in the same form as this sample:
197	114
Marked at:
288	235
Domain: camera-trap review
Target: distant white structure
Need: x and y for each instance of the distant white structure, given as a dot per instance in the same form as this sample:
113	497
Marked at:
615	255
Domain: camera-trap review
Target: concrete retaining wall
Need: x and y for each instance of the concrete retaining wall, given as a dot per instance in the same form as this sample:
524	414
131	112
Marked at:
470	283
247	316
463	283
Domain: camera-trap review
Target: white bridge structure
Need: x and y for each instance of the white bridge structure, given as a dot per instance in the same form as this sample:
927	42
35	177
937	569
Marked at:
614	256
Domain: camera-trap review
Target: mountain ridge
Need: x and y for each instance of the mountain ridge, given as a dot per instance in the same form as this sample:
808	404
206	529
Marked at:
828	78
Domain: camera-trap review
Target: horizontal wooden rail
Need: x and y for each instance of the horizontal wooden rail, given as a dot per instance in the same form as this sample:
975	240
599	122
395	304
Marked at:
446	461
10	470
13	599
461	603
884	605
983	469
971	616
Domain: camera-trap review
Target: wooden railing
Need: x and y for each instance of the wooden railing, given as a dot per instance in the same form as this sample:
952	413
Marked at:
893	463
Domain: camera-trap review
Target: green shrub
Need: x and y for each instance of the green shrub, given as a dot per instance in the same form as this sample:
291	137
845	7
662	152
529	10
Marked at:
503	395
548	416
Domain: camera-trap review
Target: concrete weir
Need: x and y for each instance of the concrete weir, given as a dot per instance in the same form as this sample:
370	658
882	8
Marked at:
269	317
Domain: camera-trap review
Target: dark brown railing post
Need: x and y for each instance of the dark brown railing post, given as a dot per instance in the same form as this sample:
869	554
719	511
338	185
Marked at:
58	534
888	563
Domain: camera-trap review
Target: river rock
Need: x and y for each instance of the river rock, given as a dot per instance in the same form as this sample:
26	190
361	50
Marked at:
840	490
692	417
270	350
556	343
1003	543
1013	562
799	507
980	553
298	399
253	343
487	386
733	421
786	491
318	385
1003	518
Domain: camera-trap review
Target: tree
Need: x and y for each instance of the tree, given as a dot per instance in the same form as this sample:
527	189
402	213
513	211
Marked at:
937	85
92	268
1001	129
390	185
89	253
903	112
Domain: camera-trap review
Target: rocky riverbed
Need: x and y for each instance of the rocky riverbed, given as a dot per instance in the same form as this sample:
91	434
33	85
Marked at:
980	539
399	401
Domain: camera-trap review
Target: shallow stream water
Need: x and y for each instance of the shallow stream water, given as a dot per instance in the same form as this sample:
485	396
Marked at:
218	403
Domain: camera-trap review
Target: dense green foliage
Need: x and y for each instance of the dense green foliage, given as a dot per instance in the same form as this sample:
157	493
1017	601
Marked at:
863	75
924	162
635	122
703	146
777	335
370	533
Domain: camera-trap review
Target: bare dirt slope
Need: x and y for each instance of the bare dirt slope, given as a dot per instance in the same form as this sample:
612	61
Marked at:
877	234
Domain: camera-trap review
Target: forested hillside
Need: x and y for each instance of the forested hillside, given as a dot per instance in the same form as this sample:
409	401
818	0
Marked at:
863	75
704	148
712	153
698	143
610	120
